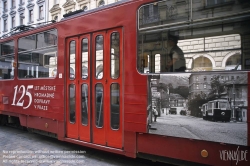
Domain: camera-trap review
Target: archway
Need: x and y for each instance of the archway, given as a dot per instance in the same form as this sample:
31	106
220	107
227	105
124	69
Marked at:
202	63
233	62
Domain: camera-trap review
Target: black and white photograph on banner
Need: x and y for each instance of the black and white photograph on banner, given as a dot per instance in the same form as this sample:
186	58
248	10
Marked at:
207	106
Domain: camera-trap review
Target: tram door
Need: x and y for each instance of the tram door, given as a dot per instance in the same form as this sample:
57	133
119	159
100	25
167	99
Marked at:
94	88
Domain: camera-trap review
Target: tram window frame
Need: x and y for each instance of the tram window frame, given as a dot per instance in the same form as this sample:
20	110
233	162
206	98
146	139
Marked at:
6	60
99	59
84	104
192	65
115	55
99	105
115	106
72	61
40	49
72	103
85	58
10	44
152	37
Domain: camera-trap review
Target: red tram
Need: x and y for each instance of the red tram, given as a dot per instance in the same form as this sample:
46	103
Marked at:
93	78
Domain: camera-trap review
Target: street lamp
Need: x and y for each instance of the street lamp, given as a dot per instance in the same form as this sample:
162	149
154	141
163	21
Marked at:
234	102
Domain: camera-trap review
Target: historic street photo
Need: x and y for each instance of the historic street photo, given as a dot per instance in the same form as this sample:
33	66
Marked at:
207	106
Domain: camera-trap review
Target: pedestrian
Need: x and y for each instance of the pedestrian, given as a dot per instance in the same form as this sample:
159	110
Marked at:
155	113
175	57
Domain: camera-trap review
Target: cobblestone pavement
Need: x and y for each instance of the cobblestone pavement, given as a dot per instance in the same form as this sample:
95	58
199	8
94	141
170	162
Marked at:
199	129
21	148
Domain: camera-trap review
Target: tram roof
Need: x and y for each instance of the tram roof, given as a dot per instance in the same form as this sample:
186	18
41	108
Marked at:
218	100
66	17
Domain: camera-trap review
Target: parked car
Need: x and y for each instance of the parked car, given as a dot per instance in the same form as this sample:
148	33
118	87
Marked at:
173	111
183	112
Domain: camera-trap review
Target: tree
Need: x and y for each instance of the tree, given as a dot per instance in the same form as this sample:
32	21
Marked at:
182	90
195	104
217	88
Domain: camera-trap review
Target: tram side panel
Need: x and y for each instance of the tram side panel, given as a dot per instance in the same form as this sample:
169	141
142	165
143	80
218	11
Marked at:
190	138
35	93
135	86
36	107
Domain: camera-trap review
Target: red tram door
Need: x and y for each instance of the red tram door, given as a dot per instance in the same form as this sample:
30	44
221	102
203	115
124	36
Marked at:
78	86
94	88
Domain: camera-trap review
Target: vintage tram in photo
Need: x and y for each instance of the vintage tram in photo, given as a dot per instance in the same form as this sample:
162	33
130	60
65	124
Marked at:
217	110
87	79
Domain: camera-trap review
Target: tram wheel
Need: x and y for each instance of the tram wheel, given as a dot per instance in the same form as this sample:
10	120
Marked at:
3	120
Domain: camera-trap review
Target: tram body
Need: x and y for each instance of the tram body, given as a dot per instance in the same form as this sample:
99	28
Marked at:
89	79
217	110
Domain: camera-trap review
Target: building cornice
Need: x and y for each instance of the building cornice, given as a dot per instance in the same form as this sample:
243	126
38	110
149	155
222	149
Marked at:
55	8
40	1
82	1
20	9
68	4
30	5
4	16
12	12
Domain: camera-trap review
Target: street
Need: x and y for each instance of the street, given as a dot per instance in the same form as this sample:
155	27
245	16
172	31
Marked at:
197	128
21	148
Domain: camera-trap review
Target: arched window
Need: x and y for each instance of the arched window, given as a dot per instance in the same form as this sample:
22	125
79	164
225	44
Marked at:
233	62
101	3
202	64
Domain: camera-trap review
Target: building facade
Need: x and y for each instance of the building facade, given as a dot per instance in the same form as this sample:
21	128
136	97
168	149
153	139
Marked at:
231	86
57	8
22	12
38	12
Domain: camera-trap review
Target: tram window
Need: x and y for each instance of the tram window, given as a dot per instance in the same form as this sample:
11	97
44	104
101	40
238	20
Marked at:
209	45
115	106
85	56
6	68
217	104
72	103
99	105
37	55
40	40
223	105
6	60
50	61
27	43
39	63
115	55
46	39
72	55
84	104
99	56
50	38
209	106
6	48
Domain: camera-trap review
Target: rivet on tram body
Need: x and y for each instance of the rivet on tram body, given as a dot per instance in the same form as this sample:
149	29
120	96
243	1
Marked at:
46	125
204	153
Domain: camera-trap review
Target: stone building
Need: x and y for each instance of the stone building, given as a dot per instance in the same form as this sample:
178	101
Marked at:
22	12
235	89
38	12
212	53
57	8
205	49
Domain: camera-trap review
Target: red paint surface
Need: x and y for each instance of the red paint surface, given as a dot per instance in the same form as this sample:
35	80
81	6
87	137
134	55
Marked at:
134	85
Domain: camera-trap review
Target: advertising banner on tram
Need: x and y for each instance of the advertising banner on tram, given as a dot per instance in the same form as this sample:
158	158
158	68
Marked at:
207	106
